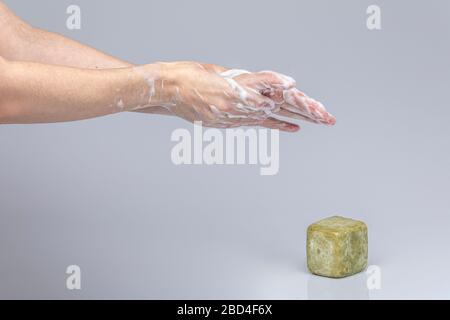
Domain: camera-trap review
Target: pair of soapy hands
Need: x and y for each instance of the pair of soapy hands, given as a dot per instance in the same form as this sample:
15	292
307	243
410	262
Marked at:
224	98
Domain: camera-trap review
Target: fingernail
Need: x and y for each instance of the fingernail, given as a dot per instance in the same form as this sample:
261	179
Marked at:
331	120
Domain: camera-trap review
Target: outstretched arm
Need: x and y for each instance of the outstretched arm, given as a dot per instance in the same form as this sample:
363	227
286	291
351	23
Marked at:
21	42
33	92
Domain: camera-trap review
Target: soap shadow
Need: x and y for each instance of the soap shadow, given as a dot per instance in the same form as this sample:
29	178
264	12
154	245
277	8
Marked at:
350	288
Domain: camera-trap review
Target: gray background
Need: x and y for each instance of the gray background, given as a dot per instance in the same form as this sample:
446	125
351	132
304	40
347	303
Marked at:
104	194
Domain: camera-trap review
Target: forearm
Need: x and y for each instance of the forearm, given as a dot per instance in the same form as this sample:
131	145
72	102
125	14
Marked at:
51	48
20	41
38	93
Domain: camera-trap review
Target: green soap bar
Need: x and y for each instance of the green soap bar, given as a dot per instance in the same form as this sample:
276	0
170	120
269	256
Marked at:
337	247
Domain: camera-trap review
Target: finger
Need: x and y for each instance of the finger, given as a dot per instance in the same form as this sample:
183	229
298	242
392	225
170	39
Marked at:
298	102
249	100
260	102
292	109
238	114
268	82
318	107
288	114
273	123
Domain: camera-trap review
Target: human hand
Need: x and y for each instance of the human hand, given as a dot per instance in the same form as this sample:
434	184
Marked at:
230	98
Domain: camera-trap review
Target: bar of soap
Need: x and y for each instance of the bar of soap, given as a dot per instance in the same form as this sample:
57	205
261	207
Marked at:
337	247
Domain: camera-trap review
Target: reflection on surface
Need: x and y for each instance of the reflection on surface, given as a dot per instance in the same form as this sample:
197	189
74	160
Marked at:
354	287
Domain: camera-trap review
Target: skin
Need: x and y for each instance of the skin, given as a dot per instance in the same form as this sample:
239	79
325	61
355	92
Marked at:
45	77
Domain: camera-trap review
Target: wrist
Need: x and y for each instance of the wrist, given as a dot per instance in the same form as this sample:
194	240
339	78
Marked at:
154	85
167	84
170	74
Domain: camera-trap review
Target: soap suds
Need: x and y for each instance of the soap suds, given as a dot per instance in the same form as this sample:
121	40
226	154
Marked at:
120	104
